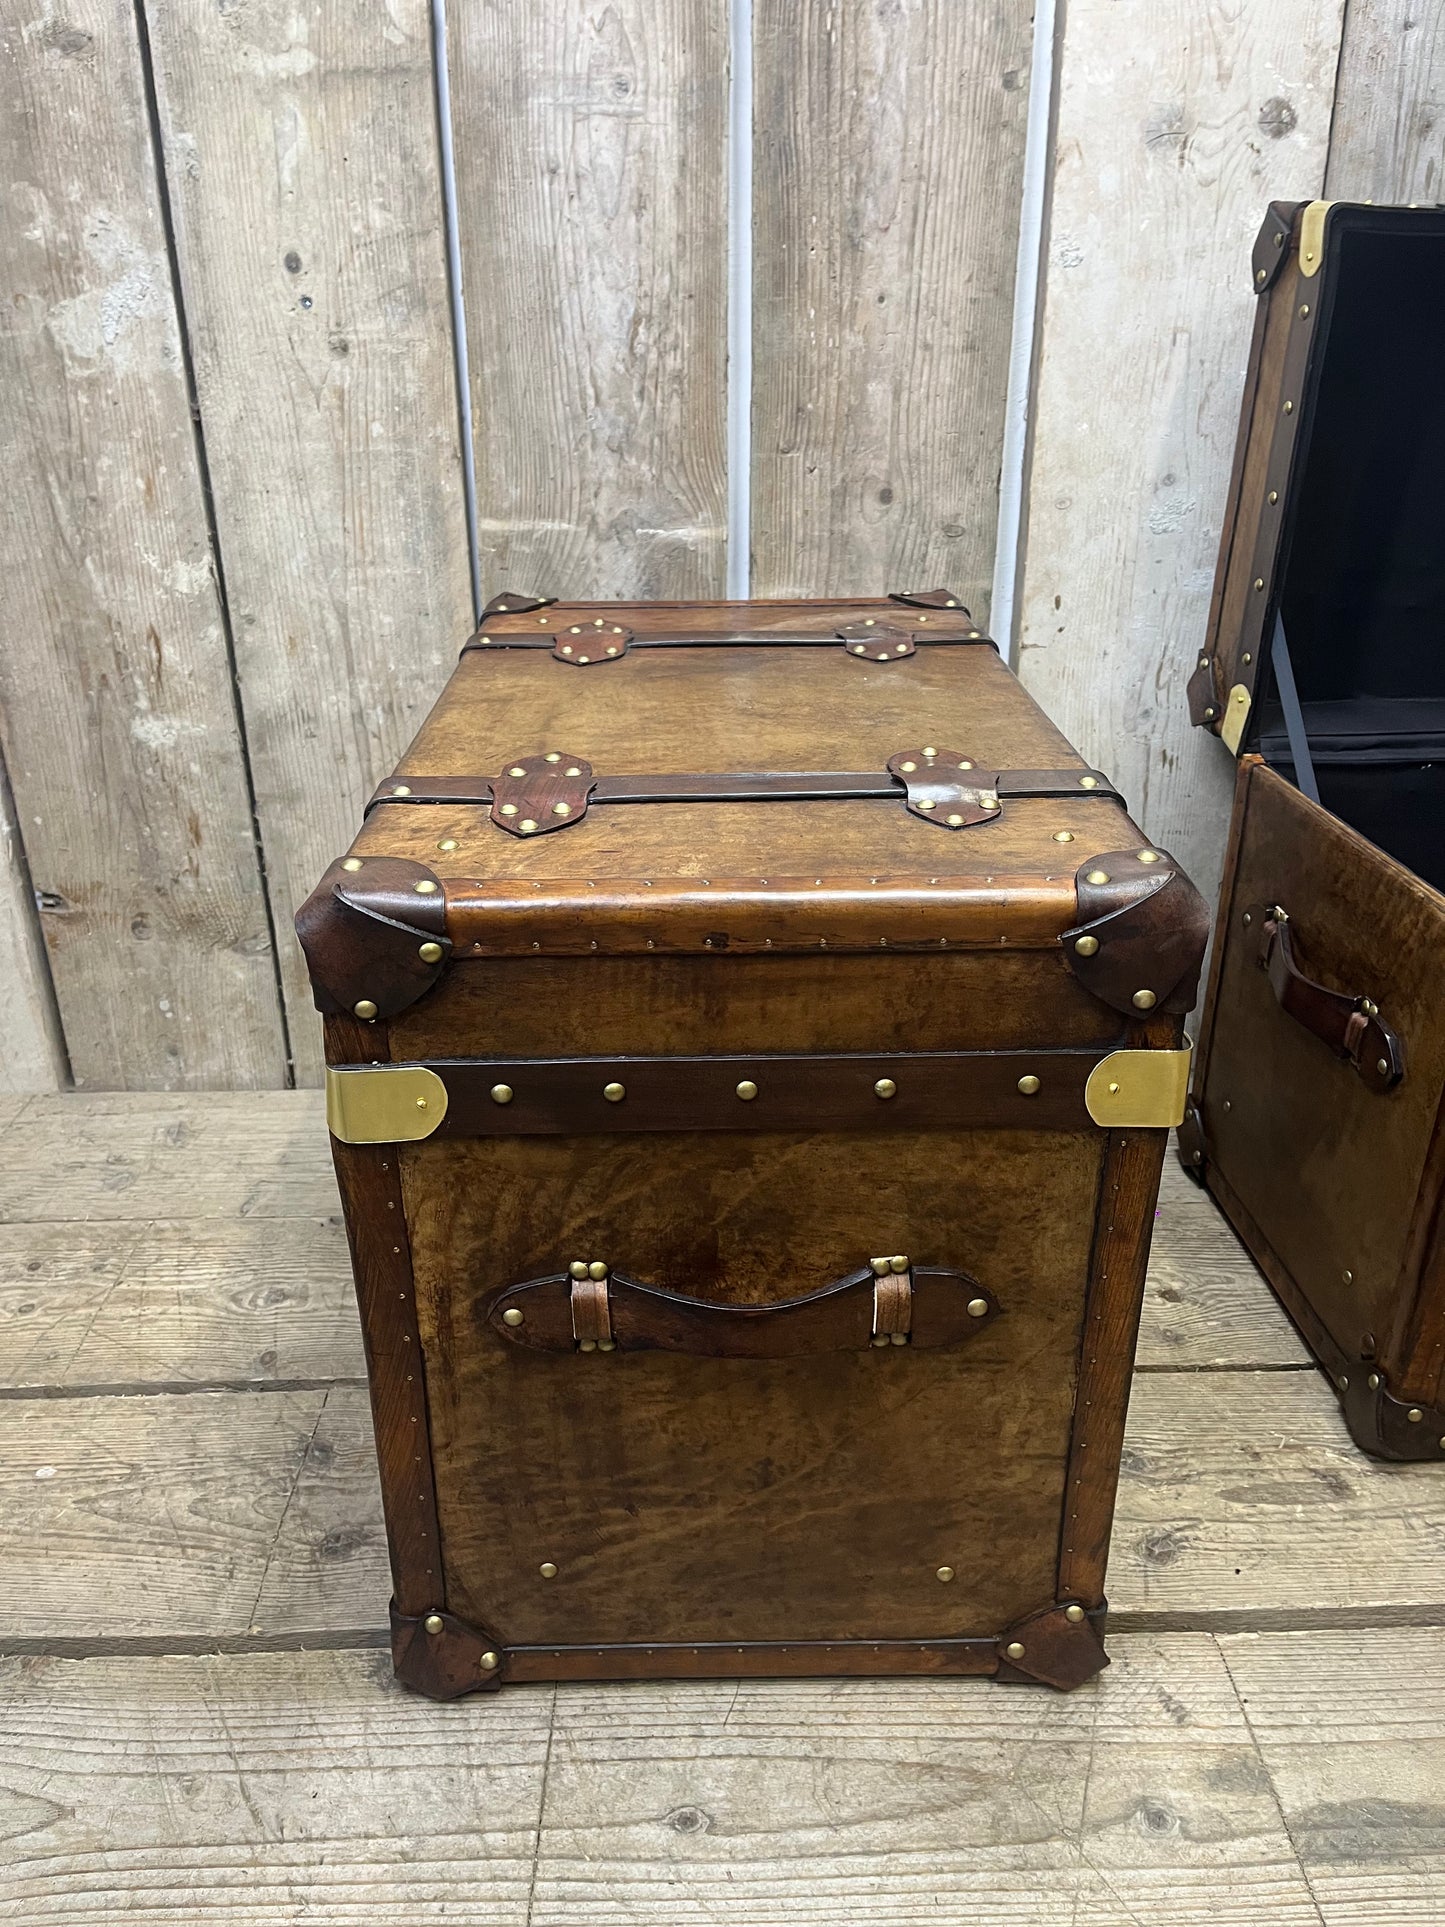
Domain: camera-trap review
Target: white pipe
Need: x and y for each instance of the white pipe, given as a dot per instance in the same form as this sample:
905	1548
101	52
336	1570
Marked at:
740	301
452	230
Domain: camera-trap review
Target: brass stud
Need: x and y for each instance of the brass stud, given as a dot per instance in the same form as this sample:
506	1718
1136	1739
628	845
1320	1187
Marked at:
879	1340
945	1573
584	659
607	1344
1261	277
365	1009
1209	715
900	648
434	1622
502	1093
547	1569
1289	408
965	764
898	1338
1088	782
1343	1382
1373	1381
578	1268
1304	312
430	952
747	1090
517	770
885	1087
598	623
1075	1615
1370	1009
1063	836
573	771
509	809
930	752
351	863
447	843
880	1266
400	789
955	822
489	1662
1258	583
908	768
614	1093
1014	1649
1414	1415
1148	856
1382	1065
511	1316
859	649
561	809
1246	658
597	1271
1143	1000
553	756
1097	876
898	1263
1086	947
566	648
978	1307
1029	1086
1347	1277
526	826
1273	496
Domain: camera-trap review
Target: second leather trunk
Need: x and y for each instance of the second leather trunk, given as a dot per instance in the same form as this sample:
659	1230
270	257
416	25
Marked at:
753	1036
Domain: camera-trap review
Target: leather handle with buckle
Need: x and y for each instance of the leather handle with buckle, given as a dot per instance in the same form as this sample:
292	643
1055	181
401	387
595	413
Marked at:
1351	1027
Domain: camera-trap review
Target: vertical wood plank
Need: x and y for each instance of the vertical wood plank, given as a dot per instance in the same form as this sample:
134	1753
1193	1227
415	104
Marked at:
33	1058
301	147
888	182
1177	122
118	716
591	187
1386	143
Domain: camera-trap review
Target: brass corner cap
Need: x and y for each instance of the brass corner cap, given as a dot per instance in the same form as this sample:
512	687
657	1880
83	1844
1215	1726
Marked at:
1139	1090
383	1103
1312	237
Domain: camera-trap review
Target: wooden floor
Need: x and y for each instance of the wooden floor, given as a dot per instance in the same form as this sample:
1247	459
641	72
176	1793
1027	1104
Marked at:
197	1720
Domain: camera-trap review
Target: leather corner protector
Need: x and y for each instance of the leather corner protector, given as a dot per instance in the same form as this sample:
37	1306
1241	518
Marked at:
1059	1646
1203	696
585	644
374	936
1139	942
508	604
1190	1141
1385	1426
1271	247
442	1657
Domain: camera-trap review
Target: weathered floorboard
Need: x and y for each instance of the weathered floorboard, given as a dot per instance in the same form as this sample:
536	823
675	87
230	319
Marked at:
1174	130
116	700
591	180
34	1055
888	178
301	153
1389	105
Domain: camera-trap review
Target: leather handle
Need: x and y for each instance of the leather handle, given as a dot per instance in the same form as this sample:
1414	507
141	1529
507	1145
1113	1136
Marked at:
1351	1027
925	1306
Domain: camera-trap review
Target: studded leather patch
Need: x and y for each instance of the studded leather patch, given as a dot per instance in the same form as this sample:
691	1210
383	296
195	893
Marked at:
535	794
945	787
876	641
585	643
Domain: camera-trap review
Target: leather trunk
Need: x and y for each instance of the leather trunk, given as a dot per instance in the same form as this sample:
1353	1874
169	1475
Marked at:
753	1035
1315	1117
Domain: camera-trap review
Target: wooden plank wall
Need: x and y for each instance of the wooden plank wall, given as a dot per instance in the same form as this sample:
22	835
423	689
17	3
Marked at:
235	567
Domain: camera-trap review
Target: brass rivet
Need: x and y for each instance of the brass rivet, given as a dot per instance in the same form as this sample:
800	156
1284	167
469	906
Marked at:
1414	1415
614	1093
881	1266
1063	836
584	659
885	1087
879	1340
859	649
553	756
1148	856
526	826
561	809
434	1622
1086	946
1246	658
1209	715
1289	408
930	752
978	1307
1088	782
607	1344
1261	277
598	623
1097	876
430	953
447	843
908	768
1204	662
1114	1091
566	648
1029	1086
898	1263
489	1662
1273	496
898	1338
1348	1277
747	1090
578	1268
400	789
351	863
1304	312
597	1270
366	1008
426	888
1258	583
1344	1383
576	629
1144	1000
547	1569
900	648
1014	1649
1373	1381
511	1316
1248	919
965	764
1279	240
1382	1065
509	809
945	1573
502	1093
955	822
517	771
1075	1615
574	771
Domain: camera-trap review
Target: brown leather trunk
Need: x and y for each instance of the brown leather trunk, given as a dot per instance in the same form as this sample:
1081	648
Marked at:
1316	1112
754	1033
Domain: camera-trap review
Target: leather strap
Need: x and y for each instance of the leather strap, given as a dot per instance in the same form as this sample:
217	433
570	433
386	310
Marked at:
1351	1027
925	1306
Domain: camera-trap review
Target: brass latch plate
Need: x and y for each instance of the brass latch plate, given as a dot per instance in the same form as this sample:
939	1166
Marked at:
1139	1090
384	1103
1312	237
1236	715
